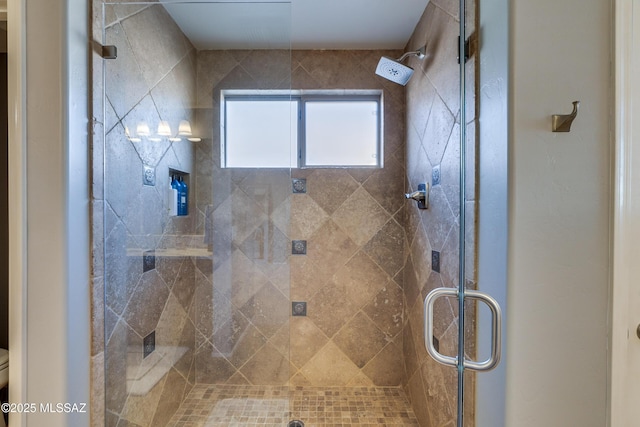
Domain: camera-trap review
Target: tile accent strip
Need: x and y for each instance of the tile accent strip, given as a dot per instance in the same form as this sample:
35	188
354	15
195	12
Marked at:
299	247
299	185
435	261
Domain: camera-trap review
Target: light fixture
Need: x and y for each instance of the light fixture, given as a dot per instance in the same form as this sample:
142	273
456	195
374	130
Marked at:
164	129
143	129
129	137
184	128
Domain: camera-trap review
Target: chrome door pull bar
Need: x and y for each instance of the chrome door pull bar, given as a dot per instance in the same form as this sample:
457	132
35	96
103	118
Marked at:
496	329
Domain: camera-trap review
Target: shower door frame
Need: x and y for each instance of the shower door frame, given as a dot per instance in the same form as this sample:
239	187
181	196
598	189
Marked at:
461	293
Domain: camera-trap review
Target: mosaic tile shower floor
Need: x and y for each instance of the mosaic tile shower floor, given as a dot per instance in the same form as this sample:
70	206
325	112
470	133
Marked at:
235	406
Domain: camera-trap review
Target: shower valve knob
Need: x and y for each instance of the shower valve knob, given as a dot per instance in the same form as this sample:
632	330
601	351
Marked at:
421	196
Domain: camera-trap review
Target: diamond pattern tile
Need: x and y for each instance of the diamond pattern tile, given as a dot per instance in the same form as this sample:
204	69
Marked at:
384	369
386	309
360	216
268	188
330	247
268	310
329	188
306	278
387	186
306	216
246	216
361	279
246	278
329	309
360	340
228	333
306	340
267	367
354	245
330	367
386	248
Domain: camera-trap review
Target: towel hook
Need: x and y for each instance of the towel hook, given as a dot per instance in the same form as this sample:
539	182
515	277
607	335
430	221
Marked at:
562	122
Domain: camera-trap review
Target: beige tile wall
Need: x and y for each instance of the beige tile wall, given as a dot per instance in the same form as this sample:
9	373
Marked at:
351	274
432	134
152	79
365	272
352	220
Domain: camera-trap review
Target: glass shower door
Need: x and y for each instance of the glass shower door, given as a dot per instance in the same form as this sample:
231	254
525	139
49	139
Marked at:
473	340
196	271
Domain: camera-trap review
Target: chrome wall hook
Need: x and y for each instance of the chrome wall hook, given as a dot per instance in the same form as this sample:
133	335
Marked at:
562	122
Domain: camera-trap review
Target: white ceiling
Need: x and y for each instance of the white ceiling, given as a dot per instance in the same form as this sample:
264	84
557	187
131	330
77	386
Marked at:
307	24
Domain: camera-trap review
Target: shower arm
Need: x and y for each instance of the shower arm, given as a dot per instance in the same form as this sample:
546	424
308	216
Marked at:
419	53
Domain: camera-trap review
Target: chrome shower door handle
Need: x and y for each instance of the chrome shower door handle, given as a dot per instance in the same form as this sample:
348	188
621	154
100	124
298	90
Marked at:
496	329
429	301
496	333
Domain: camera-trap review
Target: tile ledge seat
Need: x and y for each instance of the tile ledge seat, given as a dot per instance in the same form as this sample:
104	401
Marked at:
172	252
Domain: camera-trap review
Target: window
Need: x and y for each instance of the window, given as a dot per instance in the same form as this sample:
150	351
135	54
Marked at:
260	132
267	129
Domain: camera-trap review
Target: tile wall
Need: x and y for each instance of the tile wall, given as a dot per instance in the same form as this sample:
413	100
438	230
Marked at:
231	310
351	276
352	220
365	272
145	280
432	134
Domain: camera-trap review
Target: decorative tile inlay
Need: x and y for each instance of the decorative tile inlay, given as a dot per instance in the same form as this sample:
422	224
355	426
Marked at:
435	261
299	185
148	261
435	175
299	308
149	175
299	247
149	344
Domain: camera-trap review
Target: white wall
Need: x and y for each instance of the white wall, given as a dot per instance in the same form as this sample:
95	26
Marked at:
48	190
559	214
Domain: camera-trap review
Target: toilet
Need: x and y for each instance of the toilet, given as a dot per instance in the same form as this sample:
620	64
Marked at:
4	368
4	376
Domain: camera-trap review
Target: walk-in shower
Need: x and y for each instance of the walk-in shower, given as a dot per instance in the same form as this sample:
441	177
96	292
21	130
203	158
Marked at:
202	319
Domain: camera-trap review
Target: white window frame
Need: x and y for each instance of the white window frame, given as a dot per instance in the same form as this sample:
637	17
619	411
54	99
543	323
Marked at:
304	96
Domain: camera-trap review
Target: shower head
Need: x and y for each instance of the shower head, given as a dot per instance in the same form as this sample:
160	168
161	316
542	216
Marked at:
395	71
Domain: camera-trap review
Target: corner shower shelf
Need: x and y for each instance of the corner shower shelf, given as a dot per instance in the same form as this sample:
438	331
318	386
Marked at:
144	373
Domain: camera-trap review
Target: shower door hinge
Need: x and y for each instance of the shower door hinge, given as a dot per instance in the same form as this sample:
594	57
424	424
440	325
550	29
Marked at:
109	52
466	50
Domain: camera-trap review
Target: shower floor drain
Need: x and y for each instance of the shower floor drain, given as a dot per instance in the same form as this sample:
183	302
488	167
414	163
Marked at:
296	423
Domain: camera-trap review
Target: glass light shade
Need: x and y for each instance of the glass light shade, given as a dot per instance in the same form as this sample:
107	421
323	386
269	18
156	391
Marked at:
164	129
184	128
143	129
